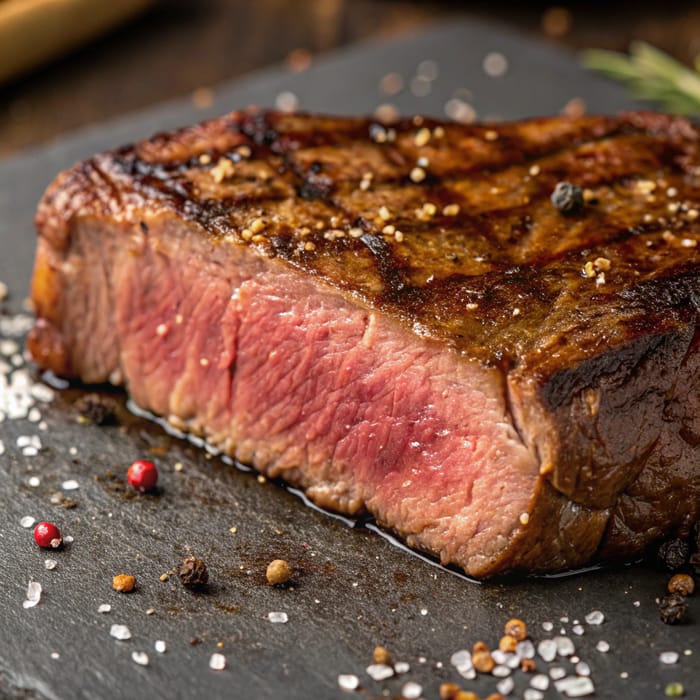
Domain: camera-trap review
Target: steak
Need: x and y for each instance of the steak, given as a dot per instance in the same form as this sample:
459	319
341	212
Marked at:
397	318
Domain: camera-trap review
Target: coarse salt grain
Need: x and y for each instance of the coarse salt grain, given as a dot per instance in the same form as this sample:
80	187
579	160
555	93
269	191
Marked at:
27	521
500	671
547	626
495	64
578	630
33	594
557	672
68	539
603	646
575	686
595	617
217	662
55	655
348	681
34	481
582	669
540	681
160	646
668	657
140	658
50	564
505	686
379	672
461	659
411	690
120	632
547	649
532	694
565	647
525	649
278	617
402	667
104	608
70	485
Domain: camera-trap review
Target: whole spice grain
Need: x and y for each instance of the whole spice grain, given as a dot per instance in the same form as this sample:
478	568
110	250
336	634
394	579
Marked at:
516	628
567	198
124	583
683	584
278	572
482	659
674	553
507	643
193	573
96	409
448	691
673	609
381	655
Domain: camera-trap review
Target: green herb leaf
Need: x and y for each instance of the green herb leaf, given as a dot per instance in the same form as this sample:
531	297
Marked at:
650	74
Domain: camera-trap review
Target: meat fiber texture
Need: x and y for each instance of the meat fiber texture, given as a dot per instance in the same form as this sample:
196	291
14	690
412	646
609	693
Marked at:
397	319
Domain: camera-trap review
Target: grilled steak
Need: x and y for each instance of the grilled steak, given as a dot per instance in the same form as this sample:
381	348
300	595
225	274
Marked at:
398	319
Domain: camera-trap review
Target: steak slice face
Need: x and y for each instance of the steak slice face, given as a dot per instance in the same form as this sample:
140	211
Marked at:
398	320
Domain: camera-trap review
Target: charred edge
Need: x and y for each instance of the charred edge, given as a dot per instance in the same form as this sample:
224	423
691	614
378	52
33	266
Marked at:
388	268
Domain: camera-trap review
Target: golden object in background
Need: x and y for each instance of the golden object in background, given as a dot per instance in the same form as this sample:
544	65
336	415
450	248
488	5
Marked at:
35	31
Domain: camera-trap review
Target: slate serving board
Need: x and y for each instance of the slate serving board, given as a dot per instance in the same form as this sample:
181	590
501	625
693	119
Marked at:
352	589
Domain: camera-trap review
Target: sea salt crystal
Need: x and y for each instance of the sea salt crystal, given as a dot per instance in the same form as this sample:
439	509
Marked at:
547	626
498	656
668	657
104	608
42	393
582	669
348	681
34	415
34	481
603	646
8	347
411	690
379	672
525	649
565	647
2	446
575	686
55	655
540	681
532	694
27	521
557	672
595	617
424	611
505	686
578	630
33	594
70	485
160	646
402	667
495	64
500	671
547	649
278	617
68	539
120	632
217	662
50	564
140	658
461	659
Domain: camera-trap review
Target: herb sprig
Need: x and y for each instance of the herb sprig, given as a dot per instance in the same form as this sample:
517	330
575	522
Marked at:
652	75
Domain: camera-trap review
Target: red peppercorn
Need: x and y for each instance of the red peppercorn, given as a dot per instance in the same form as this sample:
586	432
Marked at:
142	475
47	535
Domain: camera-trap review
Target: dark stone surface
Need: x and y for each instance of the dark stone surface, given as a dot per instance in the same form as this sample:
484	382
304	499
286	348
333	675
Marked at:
352	589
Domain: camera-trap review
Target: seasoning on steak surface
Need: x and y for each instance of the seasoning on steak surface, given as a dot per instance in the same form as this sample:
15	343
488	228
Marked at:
402	322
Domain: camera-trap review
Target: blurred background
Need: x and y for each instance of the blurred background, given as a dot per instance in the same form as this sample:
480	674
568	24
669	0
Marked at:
69	63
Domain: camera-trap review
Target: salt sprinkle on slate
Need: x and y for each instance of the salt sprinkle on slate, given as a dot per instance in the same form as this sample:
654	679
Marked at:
402	667
33	594
348	681
379	672
595	617
50	564
575	686
160	646
104	608
411	690
140	658
120	632
668	657
277	617
70	485
27	521
603	646
217	662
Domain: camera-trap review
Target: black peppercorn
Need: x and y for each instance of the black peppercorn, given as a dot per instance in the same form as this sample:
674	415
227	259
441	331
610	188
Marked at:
674	553
673	609
193	573
567	197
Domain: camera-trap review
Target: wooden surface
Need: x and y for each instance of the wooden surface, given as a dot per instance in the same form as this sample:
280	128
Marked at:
181	45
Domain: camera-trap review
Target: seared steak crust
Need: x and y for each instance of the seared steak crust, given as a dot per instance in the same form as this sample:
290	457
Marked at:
579	330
